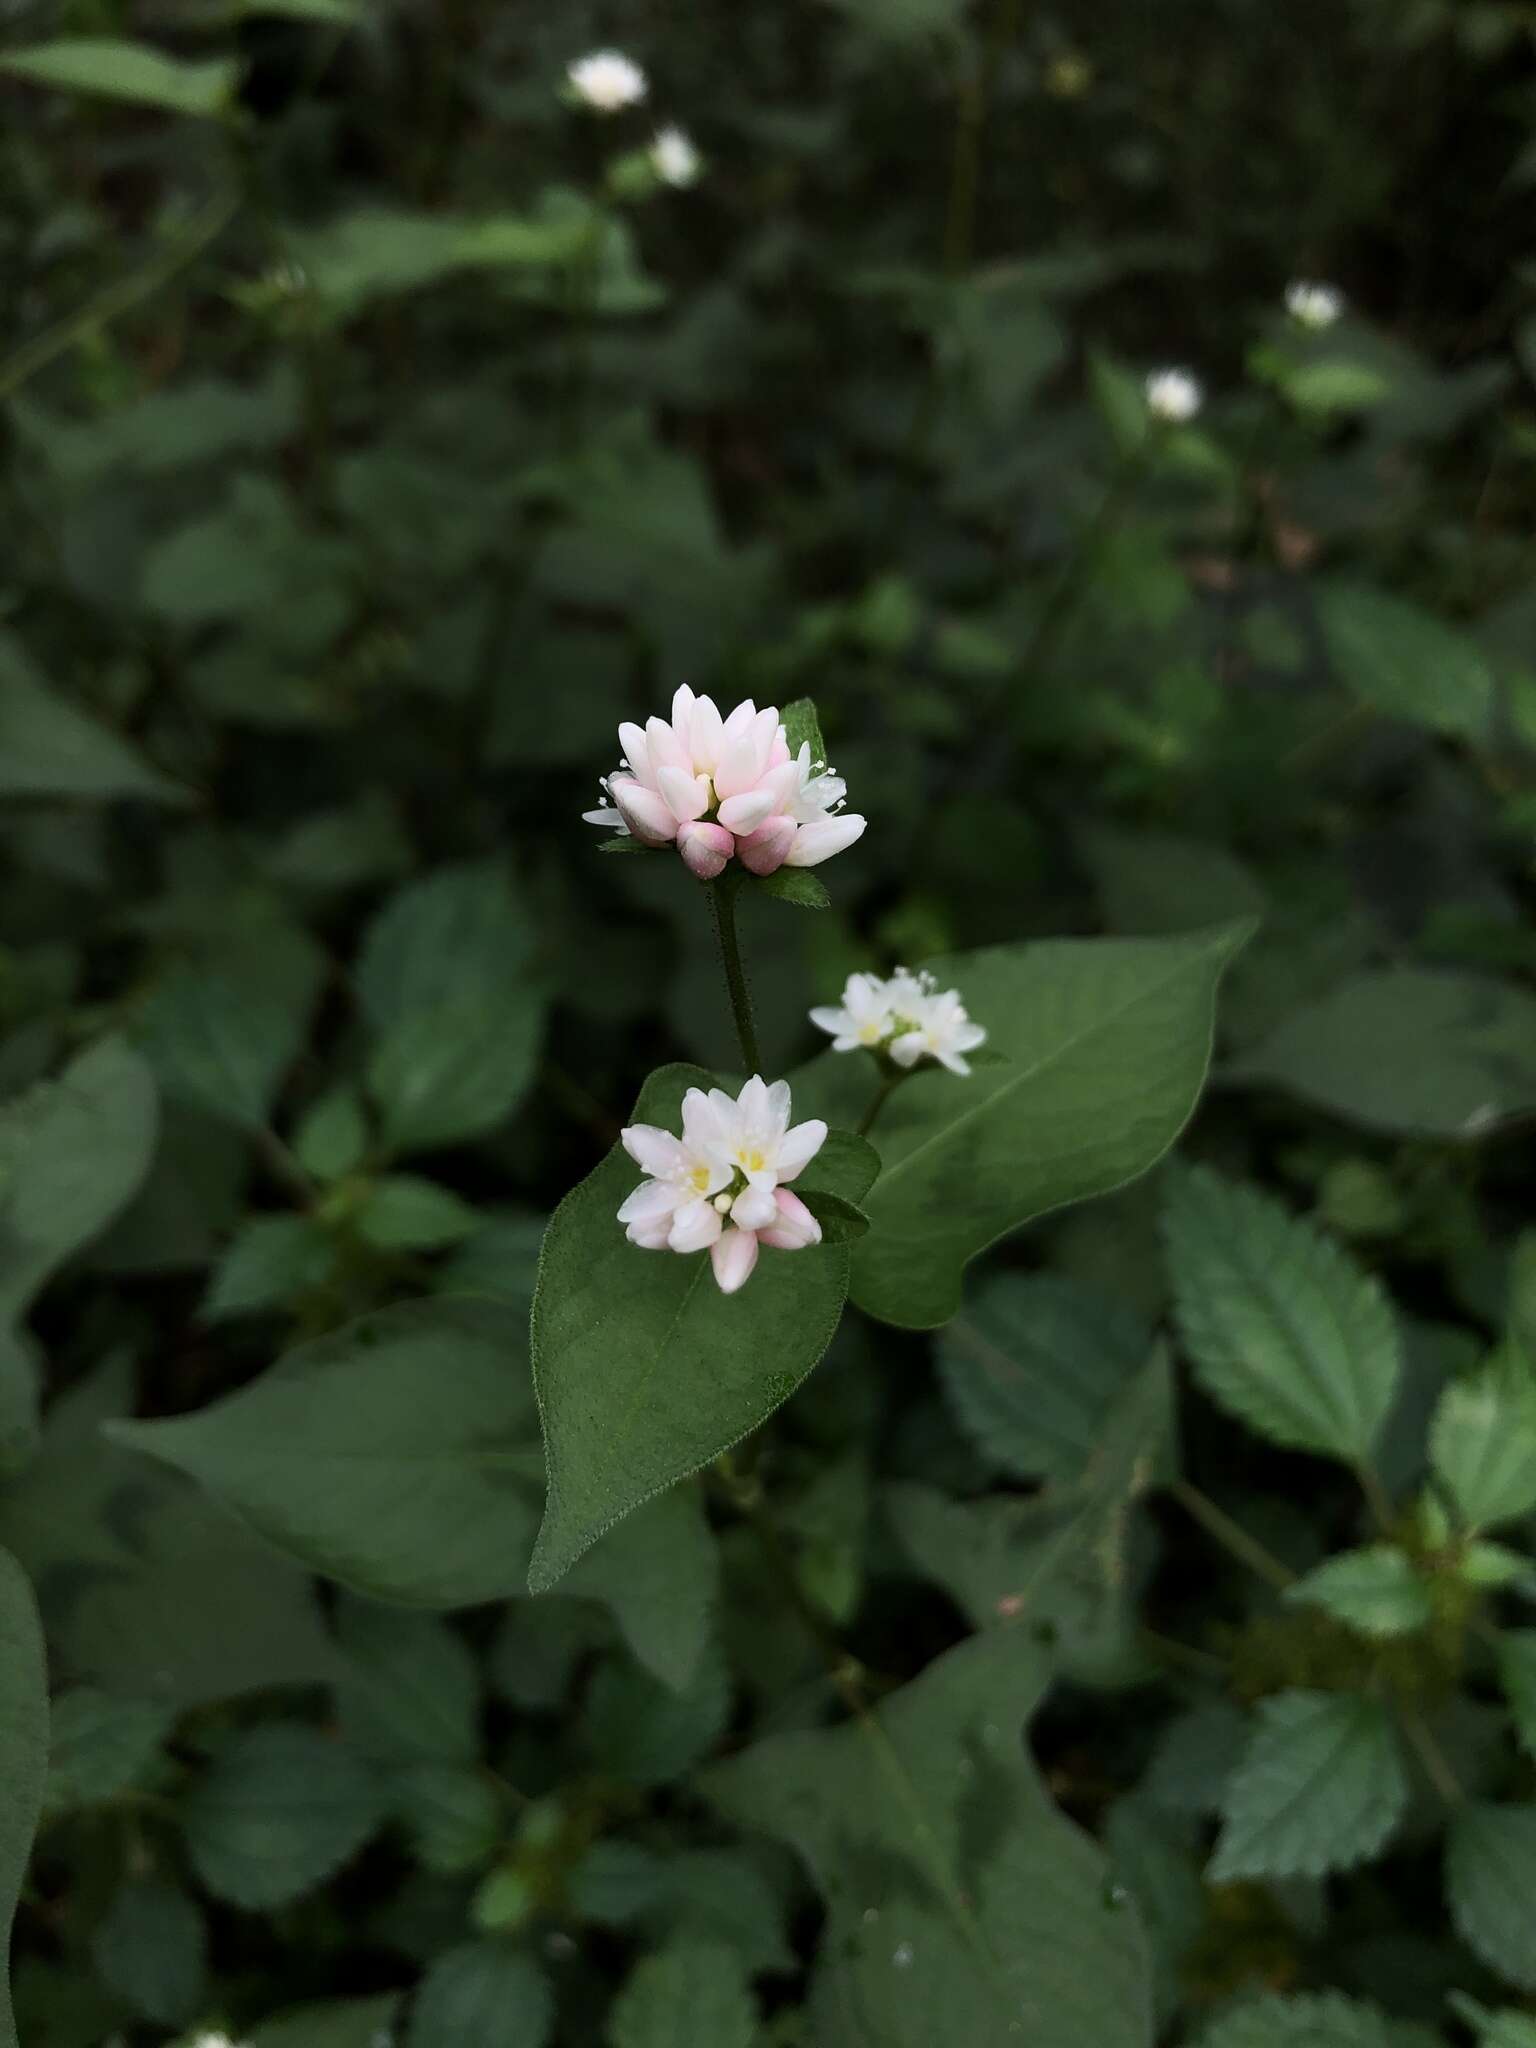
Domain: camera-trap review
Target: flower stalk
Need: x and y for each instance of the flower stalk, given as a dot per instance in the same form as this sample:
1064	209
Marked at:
722	904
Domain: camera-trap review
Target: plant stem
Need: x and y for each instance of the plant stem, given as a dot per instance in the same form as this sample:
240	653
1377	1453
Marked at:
1375	1495
1232	1536
1436	1766
107	305
882	1094
722	904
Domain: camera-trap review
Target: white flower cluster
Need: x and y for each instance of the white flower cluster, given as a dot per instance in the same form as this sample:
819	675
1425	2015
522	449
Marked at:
720	1187
909	1018
1313	305
722	788
607	81
1173	395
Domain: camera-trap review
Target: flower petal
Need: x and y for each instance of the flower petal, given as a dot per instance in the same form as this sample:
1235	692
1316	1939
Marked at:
653	1150
800	1146
687	795
644	811
695	1226
746	812
796	1228
733	1255
754	1209
818	841
650	1199
768	847
706	848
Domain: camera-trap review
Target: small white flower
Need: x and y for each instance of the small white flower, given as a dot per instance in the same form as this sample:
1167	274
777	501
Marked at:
1173	395
674	158
213	2040
1313	305
720	1187
607	80
908	1017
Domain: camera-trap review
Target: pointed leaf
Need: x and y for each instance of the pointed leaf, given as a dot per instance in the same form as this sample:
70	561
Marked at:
1105	1044
1490	1871
48	748
645	1371
1320	1787
395	1455
280	1809
960	1905
1408	1050
691	1995
1404	661
1482	1442
1284	1331
1375	1590
1029	1366
115	68
482	1994
72	1154
447	980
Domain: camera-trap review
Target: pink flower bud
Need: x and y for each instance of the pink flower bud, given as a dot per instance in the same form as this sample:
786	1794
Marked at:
767	848
643	810
796	1228
706	849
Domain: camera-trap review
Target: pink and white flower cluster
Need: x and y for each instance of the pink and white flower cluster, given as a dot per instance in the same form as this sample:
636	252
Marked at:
723	788
720	1186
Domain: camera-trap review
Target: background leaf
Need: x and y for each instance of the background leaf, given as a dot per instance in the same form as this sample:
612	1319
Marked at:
1319	1787
395	1456
1282	1329
1408	1050
1490	1870
948	1918
23	1750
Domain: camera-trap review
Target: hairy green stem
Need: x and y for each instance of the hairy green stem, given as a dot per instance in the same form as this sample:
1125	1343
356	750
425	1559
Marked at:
722	904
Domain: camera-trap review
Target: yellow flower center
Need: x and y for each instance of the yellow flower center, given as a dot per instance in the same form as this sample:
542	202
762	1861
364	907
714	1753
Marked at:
699	1178
751	1160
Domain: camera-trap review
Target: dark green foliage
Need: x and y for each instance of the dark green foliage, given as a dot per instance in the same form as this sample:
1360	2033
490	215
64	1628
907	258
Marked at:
1085	1601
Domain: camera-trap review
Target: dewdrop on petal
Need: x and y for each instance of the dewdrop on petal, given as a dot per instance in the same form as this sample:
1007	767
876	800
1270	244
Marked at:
721	1186
907	1019
1173	395
674	158
607	81
1316	306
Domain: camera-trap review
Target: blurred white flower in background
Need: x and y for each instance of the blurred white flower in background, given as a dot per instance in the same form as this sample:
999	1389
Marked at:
1313	305
607	80
909	1017
1173	395
674	158
720	1186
